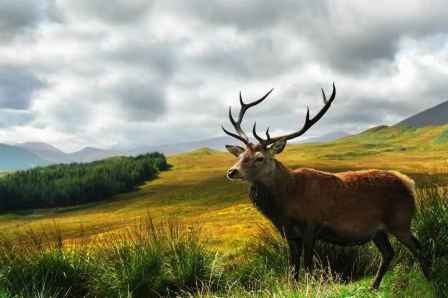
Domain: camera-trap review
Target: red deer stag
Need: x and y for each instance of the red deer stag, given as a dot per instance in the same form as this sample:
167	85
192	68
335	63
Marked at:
348	208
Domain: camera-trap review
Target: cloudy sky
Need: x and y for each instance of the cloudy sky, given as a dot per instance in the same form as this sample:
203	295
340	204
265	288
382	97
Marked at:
123	73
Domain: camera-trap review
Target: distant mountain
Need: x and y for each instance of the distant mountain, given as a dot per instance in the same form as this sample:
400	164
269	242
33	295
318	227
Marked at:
219	143
54	155
13	158
168	149
89	154
437	115
31	154
46	151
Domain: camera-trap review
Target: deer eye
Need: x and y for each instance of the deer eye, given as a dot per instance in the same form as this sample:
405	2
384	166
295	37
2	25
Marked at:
259	158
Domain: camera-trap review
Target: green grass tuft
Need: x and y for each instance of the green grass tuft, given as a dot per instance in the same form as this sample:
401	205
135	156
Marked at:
431	227
442	138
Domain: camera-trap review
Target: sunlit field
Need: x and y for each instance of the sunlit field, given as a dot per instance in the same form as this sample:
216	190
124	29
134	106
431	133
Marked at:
195	194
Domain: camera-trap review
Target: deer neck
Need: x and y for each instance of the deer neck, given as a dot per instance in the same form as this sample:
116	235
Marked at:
276	179
267	194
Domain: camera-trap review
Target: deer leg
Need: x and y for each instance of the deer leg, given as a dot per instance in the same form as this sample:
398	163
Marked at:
295	251
308	246
387	252
412	243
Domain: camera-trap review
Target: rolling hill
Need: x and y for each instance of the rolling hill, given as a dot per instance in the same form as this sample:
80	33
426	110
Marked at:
28	155
437	115
14	158
46	152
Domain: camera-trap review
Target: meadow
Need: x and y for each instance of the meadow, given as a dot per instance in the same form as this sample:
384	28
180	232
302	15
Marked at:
208	223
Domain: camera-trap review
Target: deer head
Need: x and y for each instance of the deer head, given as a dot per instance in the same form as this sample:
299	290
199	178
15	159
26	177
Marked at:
257	160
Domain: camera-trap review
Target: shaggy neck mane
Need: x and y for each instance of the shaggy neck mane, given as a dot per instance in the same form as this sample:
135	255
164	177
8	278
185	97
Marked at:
265	193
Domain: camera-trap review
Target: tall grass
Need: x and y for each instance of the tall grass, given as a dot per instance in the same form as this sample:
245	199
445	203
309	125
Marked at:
266	260
147	261
37	264
431	227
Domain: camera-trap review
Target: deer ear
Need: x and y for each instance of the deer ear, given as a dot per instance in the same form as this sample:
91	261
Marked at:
277	147
235	150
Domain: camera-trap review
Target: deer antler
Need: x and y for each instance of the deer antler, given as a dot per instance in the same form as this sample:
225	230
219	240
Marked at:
241	135
307	125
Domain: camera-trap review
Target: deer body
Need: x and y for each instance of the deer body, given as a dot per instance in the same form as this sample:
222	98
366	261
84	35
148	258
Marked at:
346	208
305	205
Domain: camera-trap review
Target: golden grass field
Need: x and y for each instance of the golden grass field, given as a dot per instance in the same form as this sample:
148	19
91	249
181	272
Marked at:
196	192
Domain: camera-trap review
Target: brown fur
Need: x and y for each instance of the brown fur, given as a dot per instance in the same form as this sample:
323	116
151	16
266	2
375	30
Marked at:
353	204
348	208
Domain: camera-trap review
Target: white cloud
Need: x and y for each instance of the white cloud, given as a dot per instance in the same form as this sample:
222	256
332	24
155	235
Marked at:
125	73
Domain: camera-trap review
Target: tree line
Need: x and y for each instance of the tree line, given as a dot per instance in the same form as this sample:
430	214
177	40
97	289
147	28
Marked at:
77	183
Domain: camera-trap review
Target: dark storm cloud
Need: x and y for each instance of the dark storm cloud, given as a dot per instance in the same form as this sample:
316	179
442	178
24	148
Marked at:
356	37
54	11
245	15
351	37
257	56
141	100
364	111
18	16
17	85
156	57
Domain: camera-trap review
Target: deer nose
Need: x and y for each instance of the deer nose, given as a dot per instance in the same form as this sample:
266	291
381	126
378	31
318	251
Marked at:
231	173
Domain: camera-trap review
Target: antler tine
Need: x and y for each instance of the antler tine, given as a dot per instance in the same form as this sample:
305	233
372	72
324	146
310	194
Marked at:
323	96
309	122
254	132
260	139
241	135
267	133
234	135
